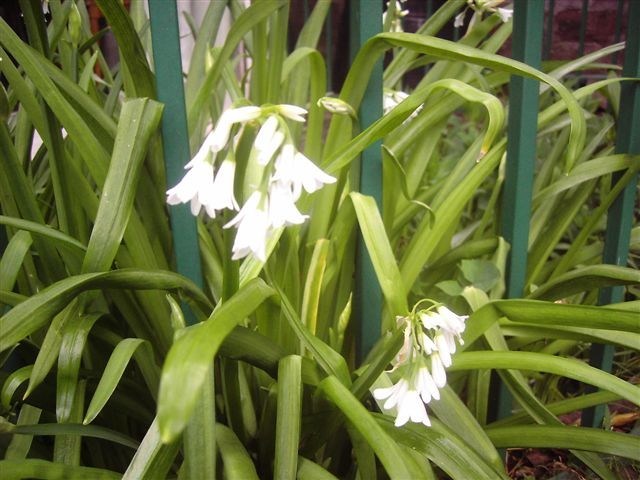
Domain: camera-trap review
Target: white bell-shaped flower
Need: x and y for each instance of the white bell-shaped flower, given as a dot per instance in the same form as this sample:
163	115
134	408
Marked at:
410	407
437	370
282	207
452	322
392	394
505	14
426	385
221	194
292	112
407	400
253	226
266	152
443	348
194	186
294	168
219	137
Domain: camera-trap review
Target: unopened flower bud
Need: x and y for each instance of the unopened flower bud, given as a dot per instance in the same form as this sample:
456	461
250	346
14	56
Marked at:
75	25
336	106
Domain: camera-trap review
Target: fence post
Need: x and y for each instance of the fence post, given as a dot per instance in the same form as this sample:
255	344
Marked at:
620	215
365	19
521	156
175	138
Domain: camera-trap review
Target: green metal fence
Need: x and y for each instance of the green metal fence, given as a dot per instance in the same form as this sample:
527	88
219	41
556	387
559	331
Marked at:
528	46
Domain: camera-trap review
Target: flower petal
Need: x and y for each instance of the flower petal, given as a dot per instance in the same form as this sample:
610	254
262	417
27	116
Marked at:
292	112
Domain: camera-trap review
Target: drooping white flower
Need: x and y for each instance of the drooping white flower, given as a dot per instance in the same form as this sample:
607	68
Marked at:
394	7
221	195
437	370
292	112
282	207
194	186
392	394
309	175
266	132
219	137
479	7
411	407
426	385
267	151
407	400
452	322
459	20
295	169
444	318
427	344
253	228
404	354
505	14
391	99
443	348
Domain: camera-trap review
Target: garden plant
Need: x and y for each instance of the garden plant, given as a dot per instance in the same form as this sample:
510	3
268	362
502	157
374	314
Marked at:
113	364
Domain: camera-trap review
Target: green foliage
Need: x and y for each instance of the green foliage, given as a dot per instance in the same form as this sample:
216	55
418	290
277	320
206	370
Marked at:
101	377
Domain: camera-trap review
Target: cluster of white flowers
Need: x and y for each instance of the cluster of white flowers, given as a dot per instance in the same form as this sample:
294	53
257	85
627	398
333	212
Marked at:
428	334
394	15
285	172
481	6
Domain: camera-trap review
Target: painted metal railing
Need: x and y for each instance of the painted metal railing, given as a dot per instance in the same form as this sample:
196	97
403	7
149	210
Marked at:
529	47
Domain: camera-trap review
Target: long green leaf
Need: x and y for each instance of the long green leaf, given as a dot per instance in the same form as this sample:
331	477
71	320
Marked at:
46	231
191	355
12	259
586	278
443	447
200	435
539	362
138	121
454	51
329	360
153	458
20	445
55	429
111	376
72	348
139	79
380	252
32	314
252	16
308	470
235	459
288	417
582	438
452	412
386	449
43	469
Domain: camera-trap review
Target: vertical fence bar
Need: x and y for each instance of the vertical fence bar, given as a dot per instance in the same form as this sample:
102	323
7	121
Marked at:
429	9
548	33
617	29
365	22
620	215
584	20
168	67
528	21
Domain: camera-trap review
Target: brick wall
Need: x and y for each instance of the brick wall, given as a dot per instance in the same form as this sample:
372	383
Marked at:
601	25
